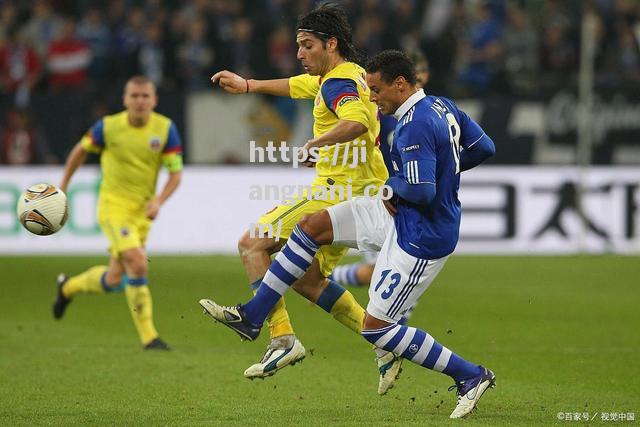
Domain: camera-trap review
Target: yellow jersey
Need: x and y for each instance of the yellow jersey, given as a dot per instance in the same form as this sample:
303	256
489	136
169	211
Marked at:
342	94
131	157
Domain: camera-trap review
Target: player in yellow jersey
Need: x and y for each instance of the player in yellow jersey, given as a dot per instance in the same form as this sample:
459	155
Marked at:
133	146
343	118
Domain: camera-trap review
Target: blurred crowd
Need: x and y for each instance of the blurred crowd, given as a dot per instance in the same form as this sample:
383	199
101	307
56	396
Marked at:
73	56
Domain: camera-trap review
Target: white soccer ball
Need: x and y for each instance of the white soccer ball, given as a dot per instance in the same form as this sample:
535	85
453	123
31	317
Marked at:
42	209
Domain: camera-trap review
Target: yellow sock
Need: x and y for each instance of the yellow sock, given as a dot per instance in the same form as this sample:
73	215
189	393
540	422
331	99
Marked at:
141	307
341	304
347	311
88	282
278	320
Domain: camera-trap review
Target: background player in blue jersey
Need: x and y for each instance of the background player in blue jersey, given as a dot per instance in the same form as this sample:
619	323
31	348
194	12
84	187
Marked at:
415	231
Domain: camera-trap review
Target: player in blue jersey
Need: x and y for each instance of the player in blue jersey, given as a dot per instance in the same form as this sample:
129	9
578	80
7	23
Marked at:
359	273
415	231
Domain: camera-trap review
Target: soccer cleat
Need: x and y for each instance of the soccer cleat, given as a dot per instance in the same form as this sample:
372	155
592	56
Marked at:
61	302
470	391
157	344
390	367
276	358
232	317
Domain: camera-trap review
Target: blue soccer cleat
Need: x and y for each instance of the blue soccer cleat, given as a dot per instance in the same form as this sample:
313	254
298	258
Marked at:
470	391
232	317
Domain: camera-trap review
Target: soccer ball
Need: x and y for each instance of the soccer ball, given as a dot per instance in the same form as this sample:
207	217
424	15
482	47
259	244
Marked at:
42	209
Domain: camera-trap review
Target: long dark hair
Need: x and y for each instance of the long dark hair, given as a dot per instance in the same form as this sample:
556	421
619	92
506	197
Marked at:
330	20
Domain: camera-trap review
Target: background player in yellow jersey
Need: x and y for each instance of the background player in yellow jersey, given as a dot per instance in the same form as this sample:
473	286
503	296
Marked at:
342	114
133	145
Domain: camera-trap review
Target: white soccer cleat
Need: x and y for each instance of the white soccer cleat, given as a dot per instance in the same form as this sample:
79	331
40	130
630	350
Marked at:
389	367
276	358
470	391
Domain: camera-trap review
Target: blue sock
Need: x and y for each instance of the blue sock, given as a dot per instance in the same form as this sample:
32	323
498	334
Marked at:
107	288
329	296
419	347
289	265
137	282
346	274
258	307
460	370
255	285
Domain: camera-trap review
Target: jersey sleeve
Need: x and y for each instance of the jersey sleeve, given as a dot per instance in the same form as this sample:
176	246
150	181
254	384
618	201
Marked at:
341	97
304	86
470	131
93	140
172	152
418	152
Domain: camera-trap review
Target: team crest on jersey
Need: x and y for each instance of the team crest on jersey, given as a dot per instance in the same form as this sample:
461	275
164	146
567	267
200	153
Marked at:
318	100
413	348
154	143
124	231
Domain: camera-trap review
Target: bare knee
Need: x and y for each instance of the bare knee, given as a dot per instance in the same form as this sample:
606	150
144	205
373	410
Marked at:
113	278
114	273
135	262
371	322
318	226
248	245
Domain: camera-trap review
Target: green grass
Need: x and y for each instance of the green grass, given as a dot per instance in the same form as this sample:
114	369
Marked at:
561	333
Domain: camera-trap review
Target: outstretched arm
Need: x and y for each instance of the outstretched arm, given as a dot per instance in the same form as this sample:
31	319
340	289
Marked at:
76	158
233	83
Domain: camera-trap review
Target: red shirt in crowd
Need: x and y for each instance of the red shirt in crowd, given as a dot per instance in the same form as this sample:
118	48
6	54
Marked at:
67	63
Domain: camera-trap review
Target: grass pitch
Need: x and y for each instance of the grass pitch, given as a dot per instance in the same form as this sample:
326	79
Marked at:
561	334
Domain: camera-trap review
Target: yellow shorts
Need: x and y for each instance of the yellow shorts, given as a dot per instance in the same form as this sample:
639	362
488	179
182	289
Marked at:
125	229
284	217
